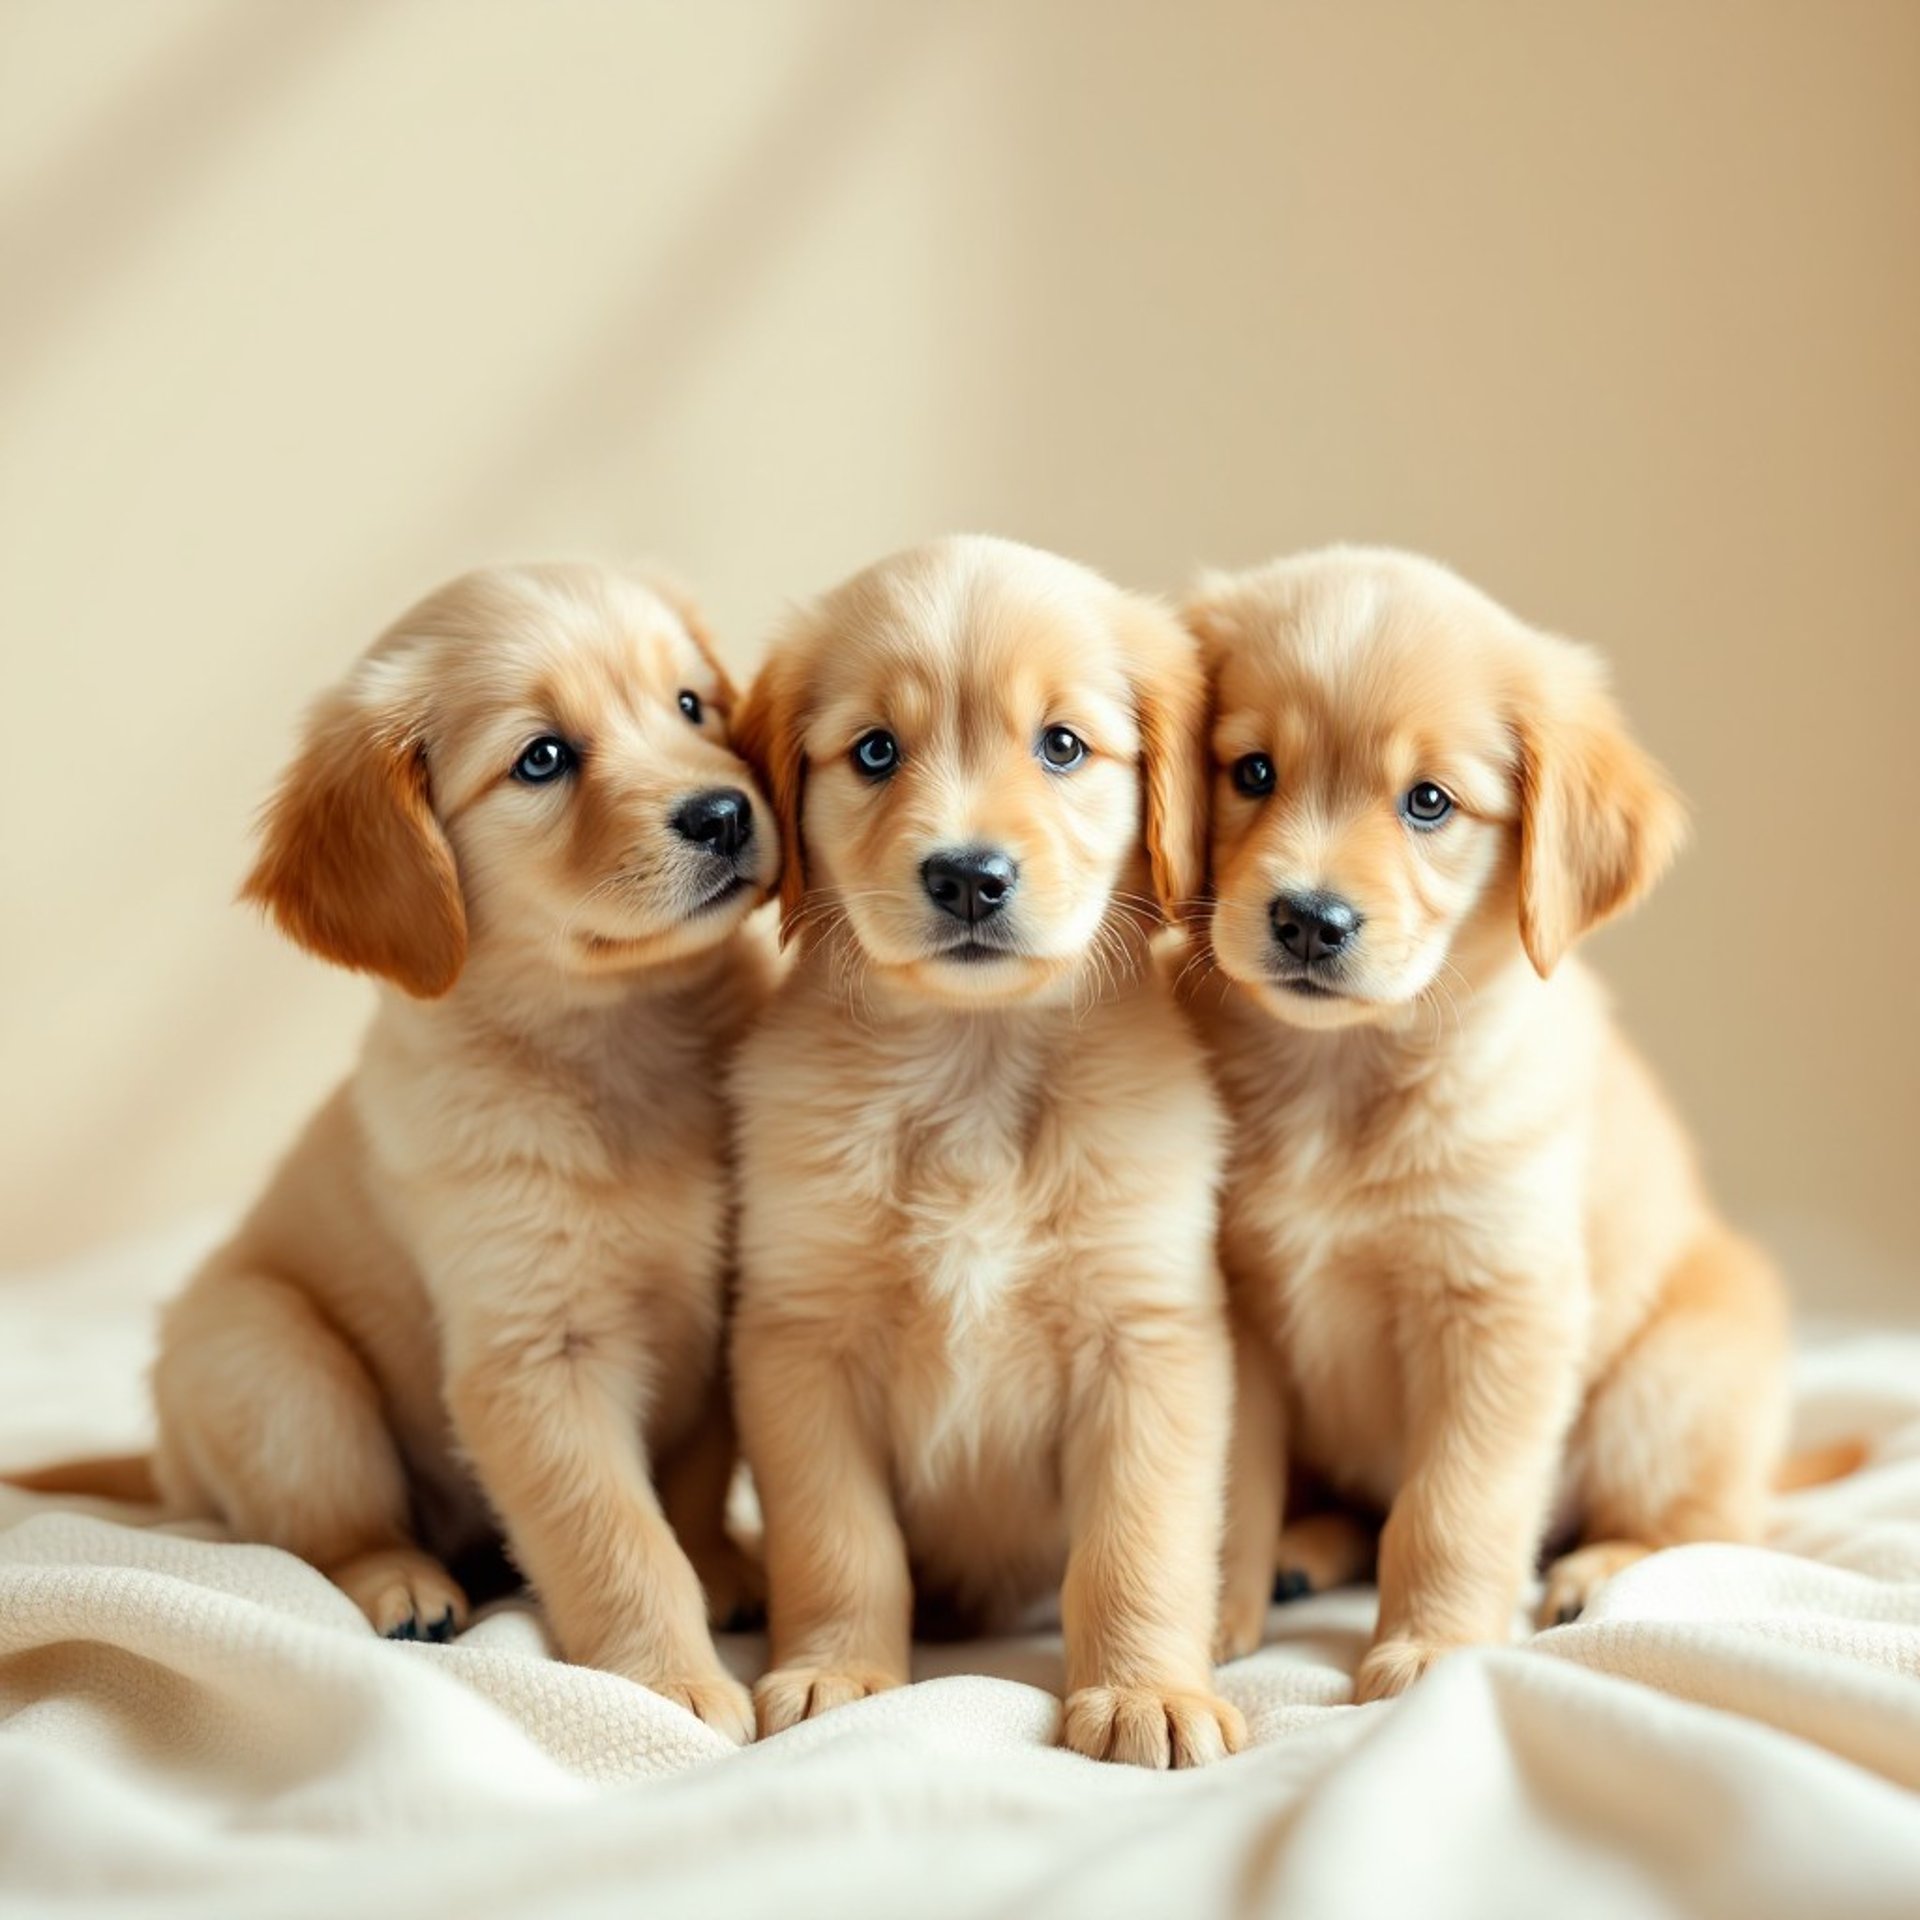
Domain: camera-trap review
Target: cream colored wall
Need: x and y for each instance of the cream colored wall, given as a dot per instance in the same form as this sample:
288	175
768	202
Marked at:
304	306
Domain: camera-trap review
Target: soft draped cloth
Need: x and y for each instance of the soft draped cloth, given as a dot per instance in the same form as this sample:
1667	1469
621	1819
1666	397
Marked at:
197	1727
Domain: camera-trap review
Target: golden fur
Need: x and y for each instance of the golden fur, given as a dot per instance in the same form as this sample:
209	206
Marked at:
980	1351
1478	1283
487	1283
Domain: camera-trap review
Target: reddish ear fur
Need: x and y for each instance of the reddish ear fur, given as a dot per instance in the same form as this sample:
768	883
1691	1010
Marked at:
354	866
1599	822
767	733
1170	693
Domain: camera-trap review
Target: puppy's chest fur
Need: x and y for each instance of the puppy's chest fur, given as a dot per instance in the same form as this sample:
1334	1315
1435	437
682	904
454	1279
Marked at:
956	1163
953	1178
976	1305
1362	1205
566	1196
976	1213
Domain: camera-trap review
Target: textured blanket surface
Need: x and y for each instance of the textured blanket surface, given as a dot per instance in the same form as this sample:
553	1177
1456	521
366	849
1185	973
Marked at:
196	1727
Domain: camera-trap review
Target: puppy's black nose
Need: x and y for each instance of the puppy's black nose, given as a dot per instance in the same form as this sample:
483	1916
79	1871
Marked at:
1312	926
972	884
721	820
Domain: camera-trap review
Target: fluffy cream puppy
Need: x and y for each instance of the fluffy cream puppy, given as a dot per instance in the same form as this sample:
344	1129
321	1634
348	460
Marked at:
1482	1287
980	1349
487	1284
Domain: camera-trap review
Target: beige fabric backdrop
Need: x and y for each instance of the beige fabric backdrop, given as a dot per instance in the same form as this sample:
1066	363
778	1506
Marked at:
306	305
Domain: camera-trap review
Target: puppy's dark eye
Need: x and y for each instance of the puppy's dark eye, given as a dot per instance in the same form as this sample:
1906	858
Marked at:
691	707
876	754
544	759
1426	805
1253	775
1062	749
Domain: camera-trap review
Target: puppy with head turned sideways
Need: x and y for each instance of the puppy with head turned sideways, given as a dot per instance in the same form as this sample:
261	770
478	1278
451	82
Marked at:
980	1350
485	1289
1479	1285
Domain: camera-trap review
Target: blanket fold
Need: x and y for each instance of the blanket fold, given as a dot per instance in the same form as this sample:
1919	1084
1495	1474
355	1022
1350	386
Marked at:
193	1726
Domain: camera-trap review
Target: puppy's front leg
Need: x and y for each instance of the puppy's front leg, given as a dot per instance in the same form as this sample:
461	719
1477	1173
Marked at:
1256	1496
1492	1384
695	1483
1145	1471
550	1413
839	1593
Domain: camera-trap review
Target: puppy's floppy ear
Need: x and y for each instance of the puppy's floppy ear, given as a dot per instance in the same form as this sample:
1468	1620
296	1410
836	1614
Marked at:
1170	698
1599	821
687	610
353	865
1208	613
768	732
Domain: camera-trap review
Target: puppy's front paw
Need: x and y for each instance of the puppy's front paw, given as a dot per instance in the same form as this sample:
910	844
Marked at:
1392	1666
1242	1626
406	1594
1576	1577
715	1698
1321	1552
789	1695
1152	1726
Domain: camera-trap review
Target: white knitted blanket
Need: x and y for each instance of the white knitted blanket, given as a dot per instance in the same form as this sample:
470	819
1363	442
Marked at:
198	1728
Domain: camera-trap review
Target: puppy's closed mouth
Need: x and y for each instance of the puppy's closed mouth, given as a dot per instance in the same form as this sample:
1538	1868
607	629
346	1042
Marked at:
1309	989
974	952
730	889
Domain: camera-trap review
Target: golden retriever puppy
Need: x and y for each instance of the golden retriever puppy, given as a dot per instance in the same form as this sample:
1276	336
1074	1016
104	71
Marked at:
1480	1285
487	1284
980	1347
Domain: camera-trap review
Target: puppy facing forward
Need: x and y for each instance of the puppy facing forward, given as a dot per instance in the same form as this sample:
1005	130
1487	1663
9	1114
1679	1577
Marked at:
486	1286
980	1350
1479	1283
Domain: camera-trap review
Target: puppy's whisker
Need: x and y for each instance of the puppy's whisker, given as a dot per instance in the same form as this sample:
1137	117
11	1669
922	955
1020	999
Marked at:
847	966
1203	958
1106	953
830	903
1439	995
1146	907
619	882
1467	992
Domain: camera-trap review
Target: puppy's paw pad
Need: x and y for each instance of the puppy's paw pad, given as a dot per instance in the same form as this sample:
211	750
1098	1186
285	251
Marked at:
789	1695
1152	1726
1575	1578
405	1594
1392	1666
717	1699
